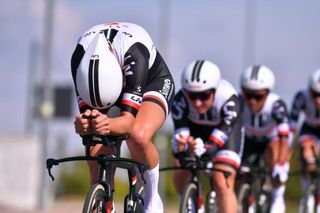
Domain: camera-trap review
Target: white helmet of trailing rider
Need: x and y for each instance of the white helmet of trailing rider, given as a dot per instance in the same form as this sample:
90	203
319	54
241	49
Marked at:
99	76
200	75
257	77
314	81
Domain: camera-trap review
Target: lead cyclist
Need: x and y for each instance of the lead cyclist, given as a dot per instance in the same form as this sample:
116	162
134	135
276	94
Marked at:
117	64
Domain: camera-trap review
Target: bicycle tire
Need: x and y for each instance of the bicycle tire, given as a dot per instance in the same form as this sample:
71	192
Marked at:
244	204
211	205
310	192
263	202
138	205
95	200
188	203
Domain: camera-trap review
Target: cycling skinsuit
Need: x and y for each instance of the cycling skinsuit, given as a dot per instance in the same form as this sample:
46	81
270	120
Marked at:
304	104
264	126
221	124
146	76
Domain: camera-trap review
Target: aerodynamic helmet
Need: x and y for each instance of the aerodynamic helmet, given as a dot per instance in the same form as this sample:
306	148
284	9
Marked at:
257	77
314	81
200	75
99	76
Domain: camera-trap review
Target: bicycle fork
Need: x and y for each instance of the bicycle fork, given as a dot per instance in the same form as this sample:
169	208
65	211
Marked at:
132	196
200	199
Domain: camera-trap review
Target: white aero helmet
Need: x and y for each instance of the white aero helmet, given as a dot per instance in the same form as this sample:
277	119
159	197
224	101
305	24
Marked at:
257	77
200	75
314	81
99	75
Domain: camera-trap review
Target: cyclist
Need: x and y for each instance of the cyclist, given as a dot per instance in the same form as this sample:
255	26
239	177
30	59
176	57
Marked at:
306	109
116	64
266	125
207	123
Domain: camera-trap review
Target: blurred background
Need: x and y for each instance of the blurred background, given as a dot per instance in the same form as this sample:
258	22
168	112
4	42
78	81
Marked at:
37	101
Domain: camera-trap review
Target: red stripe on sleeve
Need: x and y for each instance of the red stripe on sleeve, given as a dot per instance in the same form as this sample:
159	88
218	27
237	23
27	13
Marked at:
131	104
216	140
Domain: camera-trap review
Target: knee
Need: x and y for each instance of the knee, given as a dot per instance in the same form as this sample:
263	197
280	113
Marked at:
224	187
140	137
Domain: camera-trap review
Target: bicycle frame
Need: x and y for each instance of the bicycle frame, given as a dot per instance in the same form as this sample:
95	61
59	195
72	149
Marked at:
258	188
195	165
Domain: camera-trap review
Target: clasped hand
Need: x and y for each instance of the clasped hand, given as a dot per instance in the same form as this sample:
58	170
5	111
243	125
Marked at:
92	122
184	142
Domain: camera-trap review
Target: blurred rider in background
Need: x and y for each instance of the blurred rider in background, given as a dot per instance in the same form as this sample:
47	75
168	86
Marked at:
207	124
265	119
306	111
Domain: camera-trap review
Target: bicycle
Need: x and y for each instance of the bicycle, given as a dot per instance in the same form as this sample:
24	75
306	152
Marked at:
192	200
100	196
254	187
311	196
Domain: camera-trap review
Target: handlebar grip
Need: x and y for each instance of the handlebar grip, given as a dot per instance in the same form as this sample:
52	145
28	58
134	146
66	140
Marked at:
51	162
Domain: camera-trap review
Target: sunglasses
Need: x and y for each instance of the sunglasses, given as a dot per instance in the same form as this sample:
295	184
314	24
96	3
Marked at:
255	96
315	94
202	96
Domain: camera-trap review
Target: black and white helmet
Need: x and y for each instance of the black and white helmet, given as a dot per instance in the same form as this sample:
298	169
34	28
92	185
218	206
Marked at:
200	75
99	76
314	81
257	77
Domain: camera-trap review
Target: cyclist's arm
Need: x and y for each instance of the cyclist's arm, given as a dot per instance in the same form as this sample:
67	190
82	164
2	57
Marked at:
280	114
284	150
181	124
230	113
298	105
122	124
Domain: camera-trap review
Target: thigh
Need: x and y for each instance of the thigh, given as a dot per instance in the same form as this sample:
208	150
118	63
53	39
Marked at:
160	90
149	119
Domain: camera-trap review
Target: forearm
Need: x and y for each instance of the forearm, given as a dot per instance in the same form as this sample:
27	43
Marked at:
283	150
122	124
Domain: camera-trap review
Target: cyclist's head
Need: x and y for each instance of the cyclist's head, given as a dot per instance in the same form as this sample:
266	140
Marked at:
256	82
314	81
257	77
99	75
314	87
200	76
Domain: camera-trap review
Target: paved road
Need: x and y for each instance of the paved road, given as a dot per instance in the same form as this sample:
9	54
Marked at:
72	206
76	207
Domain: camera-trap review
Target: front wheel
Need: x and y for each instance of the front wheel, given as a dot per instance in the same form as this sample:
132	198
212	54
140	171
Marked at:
188	203
245	199
96	200
309	199
136	206
263	202
211	202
